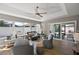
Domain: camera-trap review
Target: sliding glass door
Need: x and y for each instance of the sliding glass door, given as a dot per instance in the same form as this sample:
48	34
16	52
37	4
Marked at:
57	30
61	29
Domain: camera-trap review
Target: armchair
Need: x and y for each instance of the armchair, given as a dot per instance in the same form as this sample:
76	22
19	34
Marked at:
48	43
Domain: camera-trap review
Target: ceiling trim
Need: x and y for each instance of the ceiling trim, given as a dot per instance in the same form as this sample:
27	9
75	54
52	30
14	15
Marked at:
19	16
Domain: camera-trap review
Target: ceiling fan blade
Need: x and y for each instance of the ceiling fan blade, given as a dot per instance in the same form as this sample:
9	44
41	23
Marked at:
40	15
43	13
37	12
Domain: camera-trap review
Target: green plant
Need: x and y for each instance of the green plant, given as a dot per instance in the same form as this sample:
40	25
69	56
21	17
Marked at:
2	23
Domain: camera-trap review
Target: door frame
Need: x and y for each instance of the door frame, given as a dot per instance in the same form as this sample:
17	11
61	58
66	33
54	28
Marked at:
61	25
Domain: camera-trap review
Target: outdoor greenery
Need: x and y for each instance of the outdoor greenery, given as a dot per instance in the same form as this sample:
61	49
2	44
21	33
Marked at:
3	24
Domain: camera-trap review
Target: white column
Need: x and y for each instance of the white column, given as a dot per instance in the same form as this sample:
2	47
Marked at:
13	29
30	27
24	31
45	27
41	27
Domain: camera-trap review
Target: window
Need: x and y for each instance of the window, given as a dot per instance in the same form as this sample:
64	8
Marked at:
4	23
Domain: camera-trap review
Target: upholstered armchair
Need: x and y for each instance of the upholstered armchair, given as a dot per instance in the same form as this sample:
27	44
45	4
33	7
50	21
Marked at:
48	43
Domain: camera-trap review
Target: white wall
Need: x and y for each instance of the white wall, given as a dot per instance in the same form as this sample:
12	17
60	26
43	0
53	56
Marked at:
5	31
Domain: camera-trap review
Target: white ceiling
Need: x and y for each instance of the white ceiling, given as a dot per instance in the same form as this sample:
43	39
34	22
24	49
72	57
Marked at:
26	11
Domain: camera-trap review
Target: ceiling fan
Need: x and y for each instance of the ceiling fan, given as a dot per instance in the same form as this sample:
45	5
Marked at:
38	13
